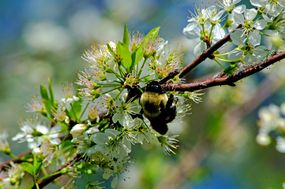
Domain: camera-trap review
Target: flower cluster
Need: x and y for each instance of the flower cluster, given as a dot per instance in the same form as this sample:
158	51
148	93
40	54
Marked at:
246	27
94	128
272	125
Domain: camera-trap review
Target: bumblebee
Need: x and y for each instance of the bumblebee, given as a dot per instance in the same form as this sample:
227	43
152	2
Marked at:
158	107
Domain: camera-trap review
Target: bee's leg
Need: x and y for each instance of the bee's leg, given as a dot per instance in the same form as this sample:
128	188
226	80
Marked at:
159	126
170	110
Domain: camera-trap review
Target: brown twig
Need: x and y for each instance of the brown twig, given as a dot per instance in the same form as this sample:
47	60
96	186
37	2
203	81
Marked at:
18	159
208	53
223	79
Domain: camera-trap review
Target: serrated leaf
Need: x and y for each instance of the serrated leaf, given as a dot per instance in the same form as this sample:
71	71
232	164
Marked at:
28	167
152	34
125	55
126	39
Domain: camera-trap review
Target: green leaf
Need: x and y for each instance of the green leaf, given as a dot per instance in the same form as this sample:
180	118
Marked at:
75	110
50	91
137	56
126	39
125	55
32	169
44	92
37	165
152	34
46	100
29	168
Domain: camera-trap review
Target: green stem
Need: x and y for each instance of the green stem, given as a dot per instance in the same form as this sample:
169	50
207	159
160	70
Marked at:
84	110
229	61
72	109
211	31
146	76
109	84
111	90
140	71
116	74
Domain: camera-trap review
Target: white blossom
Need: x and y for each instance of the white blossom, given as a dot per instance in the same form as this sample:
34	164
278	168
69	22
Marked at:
35	135
206	26
272	8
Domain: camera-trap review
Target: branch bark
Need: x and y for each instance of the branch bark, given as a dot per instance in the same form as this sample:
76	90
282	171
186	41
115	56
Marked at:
206	54
19	159
223	79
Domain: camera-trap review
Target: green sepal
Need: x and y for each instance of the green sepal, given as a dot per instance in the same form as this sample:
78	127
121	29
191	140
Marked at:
152	34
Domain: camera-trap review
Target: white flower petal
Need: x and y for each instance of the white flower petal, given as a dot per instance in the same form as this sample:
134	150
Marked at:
192	30
273	9
263	139
199	48
235	1
254	38
239	9
237	18
42	129
258	3
27	129
235	54
260	52
260	24
237	37
218	15
250	14
280	144
78	130
218	32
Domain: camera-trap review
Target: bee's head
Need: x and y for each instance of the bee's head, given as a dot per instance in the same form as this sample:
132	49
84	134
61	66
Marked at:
154	86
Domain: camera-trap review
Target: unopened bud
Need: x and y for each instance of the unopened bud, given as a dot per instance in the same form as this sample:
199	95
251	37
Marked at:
78	130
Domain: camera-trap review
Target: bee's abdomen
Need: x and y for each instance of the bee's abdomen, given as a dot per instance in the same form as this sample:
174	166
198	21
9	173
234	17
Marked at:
153	103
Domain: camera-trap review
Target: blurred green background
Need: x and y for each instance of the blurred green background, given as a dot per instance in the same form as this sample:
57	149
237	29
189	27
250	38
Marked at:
45	39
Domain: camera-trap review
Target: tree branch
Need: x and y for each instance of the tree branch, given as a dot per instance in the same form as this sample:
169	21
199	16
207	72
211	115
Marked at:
19	159
206	54
223	79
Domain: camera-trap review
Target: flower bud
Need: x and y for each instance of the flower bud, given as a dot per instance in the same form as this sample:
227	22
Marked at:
78	130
